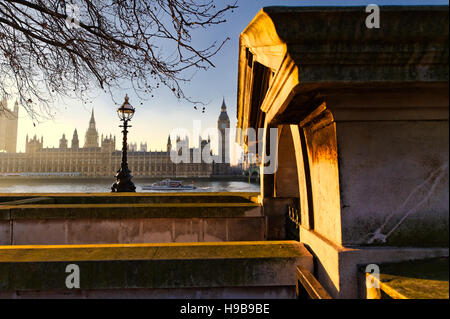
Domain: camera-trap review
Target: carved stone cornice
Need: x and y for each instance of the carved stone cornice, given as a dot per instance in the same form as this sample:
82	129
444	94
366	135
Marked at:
309	48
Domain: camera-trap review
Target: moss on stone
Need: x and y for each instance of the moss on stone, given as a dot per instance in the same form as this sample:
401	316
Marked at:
137	198
152	265
117	211
423	279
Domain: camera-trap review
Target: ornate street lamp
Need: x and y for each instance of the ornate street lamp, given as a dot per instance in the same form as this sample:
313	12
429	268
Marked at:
123	176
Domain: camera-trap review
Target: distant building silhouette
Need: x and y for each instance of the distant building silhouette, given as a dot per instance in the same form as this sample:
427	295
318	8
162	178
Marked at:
223	124
8	126
75	141
102	159
91	139
132	147
63	142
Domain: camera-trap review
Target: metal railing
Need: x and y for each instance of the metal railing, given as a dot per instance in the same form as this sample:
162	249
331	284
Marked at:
293	221
308	287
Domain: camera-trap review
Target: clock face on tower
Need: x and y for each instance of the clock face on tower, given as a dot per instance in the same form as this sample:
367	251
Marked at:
223	126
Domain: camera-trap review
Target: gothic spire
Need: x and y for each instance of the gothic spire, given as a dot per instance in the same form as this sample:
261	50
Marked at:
224	106
75	141
92	117
223	117
91	137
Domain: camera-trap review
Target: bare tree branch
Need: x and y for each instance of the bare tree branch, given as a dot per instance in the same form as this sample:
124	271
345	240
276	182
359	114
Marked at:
46	53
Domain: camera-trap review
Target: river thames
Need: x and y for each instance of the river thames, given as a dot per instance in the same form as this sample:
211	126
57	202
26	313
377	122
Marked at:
101	185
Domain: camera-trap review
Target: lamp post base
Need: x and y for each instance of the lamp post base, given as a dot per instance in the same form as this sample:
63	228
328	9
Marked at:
124	183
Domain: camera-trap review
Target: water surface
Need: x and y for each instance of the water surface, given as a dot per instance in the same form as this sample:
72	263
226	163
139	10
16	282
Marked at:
100	185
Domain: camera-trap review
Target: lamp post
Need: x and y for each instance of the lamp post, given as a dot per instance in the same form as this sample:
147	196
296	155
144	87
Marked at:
123	176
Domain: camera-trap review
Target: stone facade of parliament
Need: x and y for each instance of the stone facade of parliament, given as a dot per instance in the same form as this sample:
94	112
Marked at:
102	159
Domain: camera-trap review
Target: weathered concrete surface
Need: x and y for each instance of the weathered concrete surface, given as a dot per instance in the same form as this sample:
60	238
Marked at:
142	218
275	210
321	149
368	113
244	265
5	232
286	166
338	266
421	279
130	218
371	110
93	211
137	230
394	170
312	48
272	292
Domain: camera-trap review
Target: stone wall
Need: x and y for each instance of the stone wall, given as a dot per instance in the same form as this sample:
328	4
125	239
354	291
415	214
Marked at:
141	218
393	166
204	270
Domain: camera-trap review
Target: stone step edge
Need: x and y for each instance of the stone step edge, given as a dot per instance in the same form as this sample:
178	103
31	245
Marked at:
133	211
152	251
152	266
142	205
146	194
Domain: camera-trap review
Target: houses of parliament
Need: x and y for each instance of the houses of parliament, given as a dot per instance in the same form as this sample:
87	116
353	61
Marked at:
98	156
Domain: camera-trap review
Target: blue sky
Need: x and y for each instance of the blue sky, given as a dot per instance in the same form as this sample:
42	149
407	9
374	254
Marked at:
158	115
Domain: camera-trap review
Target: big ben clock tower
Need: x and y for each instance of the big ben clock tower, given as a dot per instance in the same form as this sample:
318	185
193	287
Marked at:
222	124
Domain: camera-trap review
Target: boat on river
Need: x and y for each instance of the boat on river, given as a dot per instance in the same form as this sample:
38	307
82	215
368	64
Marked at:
168	185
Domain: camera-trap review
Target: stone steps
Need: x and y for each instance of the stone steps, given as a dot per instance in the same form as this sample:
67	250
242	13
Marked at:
35	222
196	270
143	246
